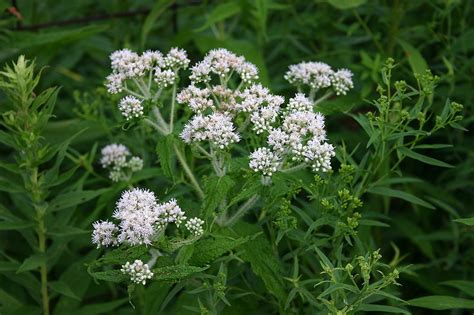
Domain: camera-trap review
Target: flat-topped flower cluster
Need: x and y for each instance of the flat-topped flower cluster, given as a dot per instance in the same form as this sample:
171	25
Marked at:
219	96
221	88
300	139
229	104
141	219
143	77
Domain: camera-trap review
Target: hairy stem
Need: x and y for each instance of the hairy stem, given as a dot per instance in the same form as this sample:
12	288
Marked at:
173	102
217	163
188	171
241	211
294	168
323	98
160	120
156	126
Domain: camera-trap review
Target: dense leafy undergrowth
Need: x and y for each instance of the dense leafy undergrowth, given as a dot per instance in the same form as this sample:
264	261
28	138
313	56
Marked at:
268	157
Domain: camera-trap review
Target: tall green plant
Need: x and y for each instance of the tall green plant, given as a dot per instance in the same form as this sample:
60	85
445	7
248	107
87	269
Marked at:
36	188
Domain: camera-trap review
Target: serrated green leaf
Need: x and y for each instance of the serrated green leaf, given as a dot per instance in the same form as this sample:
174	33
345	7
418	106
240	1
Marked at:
252	187
175	273
164	150
259	254
442	302
123	254
216	189
208	249
109	276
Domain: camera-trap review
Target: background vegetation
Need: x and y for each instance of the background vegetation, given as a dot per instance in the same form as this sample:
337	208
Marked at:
74	39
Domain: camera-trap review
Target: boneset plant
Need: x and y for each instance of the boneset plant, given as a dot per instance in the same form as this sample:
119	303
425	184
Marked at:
232	116
228	106
269	187
228	118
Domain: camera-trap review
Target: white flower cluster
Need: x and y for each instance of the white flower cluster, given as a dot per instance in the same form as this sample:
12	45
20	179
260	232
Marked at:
264	160
138	271
217	106
342	81
216	128
137	211
197	99
134	74
320	75
131	107
263	107
140	218
104	234
301	138
223	63
114	156
195	226
300	103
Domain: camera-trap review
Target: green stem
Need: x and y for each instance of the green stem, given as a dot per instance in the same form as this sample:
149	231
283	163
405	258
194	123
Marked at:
294	168
173	101
203	151
141	88
43	267
241	211
160	120
323	98
155	125
188	171
133	93
36	196
217	163
312	93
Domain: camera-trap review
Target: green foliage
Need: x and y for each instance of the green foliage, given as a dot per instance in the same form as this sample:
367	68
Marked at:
306	243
